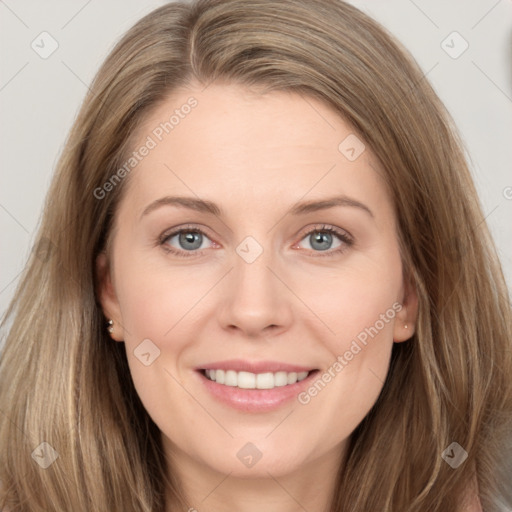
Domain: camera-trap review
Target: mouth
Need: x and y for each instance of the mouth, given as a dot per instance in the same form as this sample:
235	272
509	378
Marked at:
254	386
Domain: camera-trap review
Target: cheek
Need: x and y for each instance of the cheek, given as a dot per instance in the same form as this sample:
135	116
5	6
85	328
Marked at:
155	305
359	303
153	300
355	298
159	304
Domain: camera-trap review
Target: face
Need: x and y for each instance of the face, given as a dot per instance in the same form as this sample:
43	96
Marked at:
291	304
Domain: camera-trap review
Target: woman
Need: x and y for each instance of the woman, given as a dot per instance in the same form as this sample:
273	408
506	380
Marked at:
259	369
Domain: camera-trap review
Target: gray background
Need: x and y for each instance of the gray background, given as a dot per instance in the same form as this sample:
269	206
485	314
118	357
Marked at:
39	98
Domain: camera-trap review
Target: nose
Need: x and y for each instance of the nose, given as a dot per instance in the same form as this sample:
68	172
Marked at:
255	300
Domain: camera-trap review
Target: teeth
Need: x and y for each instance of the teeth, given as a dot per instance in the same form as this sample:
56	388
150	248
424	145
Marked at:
248	380
219	376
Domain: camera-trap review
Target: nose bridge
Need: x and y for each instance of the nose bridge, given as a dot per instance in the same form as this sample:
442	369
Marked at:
254	282
255	299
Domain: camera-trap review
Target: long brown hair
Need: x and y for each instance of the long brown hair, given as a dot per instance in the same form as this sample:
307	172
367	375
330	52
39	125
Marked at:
66	384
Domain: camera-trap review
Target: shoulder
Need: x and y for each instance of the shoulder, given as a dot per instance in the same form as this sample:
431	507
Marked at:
473	503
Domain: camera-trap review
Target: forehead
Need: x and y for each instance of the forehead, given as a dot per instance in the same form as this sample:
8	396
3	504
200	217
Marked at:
233	144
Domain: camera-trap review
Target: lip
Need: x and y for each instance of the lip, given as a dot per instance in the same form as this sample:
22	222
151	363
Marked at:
254	400
239	365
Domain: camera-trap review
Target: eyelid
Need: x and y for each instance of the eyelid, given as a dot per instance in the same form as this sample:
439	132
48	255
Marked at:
320	227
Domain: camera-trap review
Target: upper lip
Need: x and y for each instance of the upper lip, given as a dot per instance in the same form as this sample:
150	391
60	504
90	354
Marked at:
240	365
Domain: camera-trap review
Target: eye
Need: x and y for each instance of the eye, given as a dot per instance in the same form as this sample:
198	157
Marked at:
321	238
189	241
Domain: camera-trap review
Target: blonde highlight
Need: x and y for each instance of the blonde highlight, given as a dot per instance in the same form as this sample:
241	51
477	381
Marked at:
70	387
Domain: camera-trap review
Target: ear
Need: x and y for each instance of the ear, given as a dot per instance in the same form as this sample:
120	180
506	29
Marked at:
107	296
406	318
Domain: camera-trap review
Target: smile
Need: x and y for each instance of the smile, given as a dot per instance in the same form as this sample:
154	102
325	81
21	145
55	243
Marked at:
254	386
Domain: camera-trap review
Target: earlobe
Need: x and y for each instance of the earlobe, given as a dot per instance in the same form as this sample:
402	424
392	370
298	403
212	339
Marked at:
405	321
107	297
402	332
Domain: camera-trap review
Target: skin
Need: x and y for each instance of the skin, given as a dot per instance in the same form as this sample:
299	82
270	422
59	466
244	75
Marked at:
255	156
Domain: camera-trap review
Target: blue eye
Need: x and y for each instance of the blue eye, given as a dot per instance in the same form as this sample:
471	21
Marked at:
321	238
190	241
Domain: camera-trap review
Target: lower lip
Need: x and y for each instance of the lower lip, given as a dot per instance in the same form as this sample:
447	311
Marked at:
255	400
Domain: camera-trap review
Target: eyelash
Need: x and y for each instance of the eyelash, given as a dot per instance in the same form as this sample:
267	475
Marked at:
343	236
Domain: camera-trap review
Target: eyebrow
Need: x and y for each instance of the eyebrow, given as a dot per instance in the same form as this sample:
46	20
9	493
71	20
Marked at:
205	206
